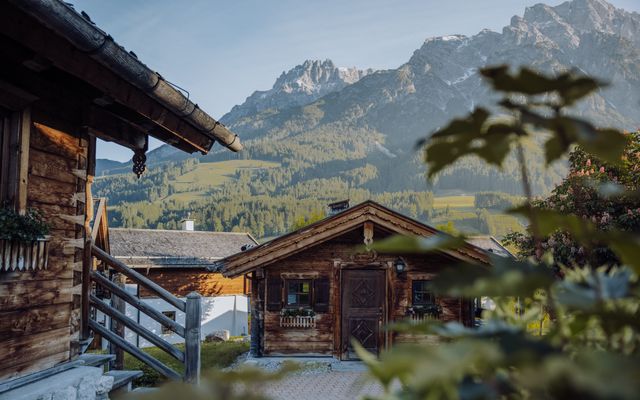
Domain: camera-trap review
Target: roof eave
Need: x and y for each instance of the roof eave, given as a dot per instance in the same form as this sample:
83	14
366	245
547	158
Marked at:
89	39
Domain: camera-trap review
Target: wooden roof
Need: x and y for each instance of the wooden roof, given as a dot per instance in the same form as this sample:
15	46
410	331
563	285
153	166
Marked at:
158	248
61	52
334	226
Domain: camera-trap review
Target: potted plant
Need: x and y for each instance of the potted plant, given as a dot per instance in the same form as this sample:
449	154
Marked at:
297	318
24	243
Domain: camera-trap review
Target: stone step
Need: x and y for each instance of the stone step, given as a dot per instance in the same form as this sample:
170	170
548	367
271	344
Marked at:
122	380
96	360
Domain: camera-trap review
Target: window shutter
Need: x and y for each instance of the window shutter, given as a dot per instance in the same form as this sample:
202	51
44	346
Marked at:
274	294
321	298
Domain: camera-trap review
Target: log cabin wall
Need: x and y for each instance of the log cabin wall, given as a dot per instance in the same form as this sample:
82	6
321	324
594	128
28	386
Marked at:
181	282
40	310
328	259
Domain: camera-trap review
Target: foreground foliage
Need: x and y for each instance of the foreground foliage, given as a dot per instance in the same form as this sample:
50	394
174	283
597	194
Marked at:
591	349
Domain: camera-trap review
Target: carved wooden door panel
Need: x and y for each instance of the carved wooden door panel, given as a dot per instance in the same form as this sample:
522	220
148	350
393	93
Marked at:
363	293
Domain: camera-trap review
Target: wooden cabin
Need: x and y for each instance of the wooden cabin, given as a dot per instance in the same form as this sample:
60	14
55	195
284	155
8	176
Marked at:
184	261
63	84
316	288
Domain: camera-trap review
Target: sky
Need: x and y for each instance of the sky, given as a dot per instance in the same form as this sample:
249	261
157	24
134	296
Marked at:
222	51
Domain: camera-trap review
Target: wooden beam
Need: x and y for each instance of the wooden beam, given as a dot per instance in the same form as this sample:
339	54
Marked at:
23	160
108	126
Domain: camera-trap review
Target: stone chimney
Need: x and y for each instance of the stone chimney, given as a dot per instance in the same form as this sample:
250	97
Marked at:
338	206
187	223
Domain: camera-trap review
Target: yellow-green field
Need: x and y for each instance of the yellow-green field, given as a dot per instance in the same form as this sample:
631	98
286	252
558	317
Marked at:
212	175
462	201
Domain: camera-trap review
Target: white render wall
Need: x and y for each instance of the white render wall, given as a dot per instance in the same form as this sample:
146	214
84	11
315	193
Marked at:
218	313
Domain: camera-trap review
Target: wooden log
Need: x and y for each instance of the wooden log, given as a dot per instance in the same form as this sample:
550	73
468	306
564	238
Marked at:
29	321
192	338
56	142
139	304
34	347
134	351
137	328
46	191
75	219
79	173
28	367
52	167
26	294
139	278
115	326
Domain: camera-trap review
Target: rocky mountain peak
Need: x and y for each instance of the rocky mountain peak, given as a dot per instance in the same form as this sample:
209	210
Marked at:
300	85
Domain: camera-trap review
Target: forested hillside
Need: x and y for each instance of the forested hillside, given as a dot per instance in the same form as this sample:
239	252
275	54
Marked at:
244	195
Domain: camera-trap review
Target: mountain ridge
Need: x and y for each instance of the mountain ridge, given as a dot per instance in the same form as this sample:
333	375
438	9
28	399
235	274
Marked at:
386	112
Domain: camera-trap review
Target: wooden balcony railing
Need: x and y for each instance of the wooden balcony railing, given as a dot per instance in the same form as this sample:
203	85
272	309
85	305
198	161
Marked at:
191	331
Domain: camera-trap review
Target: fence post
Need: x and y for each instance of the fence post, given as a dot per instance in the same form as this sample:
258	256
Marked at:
192	338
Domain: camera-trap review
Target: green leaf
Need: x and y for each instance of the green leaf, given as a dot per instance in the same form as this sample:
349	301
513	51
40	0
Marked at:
505	277
471	135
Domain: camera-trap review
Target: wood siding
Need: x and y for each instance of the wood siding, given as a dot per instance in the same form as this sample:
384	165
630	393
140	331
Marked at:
40	309
328	260
181	282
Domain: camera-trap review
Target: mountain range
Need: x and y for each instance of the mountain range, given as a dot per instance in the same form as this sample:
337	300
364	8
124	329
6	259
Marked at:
321	121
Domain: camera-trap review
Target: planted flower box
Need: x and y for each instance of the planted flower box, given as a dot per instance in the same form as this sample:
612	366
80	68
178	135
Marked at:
20	255
24	244
297	318
423	313
298	322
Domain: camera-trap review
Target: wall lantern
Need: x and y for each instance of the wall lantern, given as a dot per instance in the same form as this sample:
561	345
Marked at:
399	265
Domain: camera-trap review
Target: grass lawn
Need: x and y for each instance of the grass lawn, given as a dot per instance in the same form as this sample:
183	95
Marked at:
214	355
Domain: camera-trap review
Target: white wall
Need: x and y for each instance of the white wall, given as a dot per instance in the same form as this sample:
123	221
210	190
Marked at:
218	313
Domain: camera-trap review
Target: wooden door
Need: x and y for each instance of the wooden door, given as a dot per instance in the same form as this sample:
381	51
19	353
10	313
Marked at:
363	294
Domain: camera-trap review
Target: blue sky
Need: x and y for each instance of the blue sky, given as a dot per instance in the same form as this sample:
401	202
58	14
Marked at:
221	51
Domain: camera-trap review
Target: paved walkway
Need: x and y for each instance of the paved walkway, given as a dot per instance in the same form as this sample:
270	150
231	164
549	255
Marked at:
324	386
327	379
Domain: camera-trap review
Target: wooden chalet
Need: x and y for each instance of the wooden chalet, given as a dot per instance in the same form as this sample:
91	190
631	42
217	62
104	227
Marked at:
312	291
185	261
63	84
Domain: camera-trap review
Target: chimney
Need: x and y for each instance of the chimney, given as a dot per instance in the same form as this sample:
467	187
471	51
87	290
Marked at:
338	206
187	223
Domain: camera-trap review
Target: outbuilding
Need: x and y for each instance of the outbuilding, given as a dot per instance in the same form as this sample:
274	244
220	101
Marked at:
316	288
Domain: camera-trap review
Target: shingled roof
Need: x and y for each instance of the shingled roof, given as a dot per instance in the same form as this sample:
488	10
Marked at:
157	248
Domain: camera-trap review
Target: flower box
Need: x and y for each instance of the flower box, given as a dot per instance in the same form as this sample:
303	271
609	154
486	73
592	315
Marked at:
298	321
23	255
422	313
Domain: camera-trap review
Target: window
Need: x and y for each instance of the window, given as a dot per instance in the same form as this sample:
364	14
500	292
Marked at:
172	316
298	292
422	294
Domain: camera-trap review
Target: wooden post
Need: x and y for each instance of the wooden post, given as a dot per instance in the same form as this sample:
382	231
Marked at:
116	327
192	338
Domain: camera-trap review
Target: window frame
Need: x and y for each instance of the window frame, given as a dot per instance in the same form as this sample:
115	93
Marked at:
172	316
423	292
308	304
